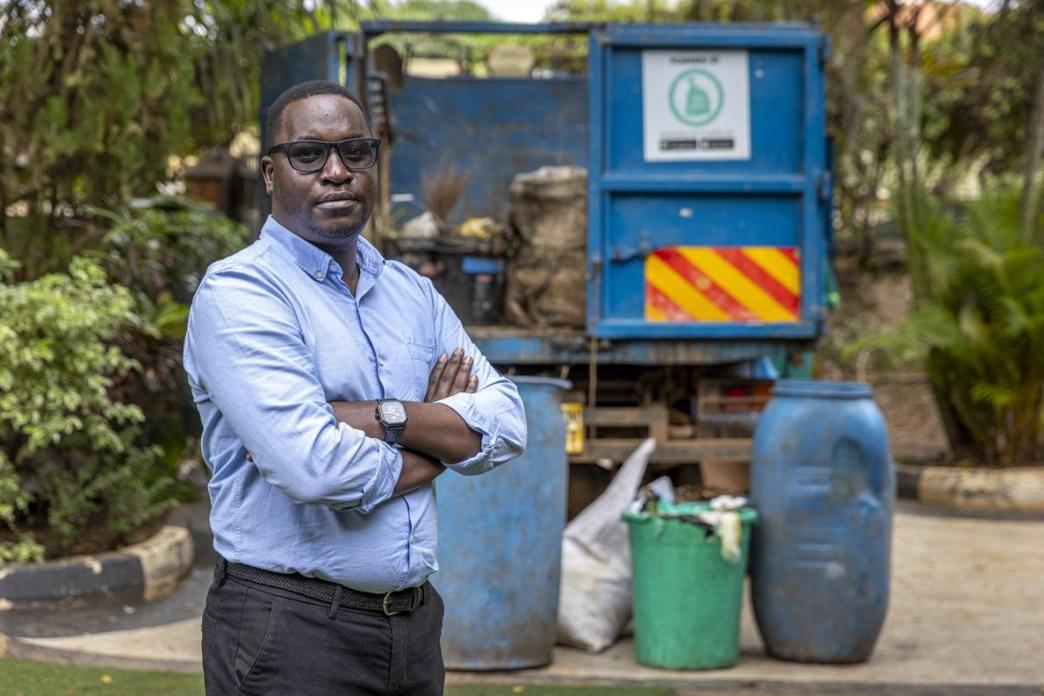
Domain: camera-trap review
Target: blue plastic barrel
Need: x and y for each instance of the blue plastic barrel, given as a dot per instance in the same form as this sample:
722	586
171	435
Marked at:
822	481
500	546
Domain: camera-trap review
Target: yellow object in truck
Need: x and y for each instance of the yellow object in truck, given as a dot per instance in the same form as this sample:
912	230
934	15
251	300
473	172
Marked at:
573	413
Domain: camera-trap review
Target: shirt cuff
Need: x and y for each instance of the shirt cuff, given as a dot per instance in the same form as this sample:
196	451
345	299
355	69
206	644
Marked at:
382	485
464	405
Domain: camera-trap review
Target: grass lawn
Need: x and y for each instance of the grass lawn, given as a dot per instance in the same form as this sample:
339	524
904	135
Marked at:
25	678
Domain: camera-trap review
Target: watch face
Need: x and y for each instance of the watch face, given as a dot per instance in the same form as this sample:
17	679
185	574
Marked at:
393	413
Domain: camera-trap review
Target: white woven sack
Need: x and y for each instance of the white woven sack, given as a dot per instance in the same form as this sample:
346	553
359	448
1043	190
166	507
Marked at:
595	597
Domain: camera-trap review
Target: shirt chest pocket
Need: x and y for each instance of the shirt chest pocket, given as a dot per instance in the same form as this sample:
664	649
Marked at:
421	361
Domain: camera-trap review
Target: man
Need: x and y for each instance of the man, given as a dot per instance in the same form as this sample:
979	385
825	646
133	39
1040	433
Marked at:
332	386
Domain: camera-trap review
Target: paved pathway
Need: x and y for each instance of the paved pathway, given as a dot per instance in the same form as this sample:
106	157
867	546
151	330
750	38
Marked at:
966	617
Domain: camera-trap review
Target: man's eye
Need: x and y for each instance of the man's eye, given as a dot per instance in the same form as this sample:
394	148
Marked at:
309	155
354	154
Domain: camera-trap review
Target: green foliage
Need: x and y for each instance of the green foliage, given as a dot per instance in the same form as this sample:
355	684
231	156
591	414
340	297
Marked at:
225	39
163	248
160	253
70	454
99	99
606	11
8	266
978	326
981	83
96	95
444	10
94	409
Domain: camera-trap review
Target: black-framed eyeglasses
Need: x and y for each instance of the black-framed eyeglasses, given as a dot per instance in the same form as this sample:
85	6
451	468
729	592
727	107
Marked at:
309	156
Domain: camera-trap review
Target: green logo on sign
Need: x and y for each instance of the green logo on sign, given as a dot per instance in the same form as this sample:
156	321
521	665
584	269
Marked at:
696	97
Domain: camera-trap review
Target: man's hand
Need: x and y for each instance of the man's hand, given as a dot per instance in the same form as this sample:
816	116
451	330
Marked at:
417	470
451	375
432	430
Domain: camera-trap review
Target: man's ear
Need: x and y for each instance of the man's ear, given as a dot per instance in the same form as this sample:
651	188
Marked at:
267	167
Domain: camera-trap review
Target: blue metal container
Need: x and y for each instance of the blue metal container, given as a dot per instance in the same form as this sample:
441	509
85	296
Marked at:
670	184
823	483
468	124
500	546
709	175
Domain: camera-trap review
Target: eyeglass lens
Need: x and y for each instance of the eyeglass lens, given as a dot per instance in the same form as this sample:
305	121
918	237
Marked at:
310	155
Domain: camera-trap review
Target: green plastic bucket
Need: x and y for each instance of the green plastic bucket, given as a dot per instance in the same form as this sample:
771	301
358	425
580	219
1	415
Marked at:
687	598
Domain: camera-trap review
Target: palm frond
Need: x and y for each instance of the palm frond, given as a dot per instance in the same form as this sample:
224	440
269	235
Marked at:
979	324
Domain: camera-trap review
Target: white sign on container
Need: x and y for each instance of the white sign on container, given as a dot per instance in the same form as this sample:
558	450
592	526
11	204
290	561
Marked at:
696	105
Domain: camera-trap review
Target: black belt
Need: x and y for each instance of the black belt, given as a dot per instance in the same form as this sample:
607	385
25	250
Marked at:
389	603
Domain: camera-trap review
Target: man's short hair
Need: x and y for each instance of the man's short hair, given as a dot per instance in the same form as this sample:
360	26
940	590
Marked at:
301	91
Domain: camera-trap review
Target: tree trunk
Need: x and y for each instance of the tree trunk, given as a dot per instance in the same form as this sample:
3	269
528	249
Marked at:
847	67
914	79
4	241
965	442
900	130
1034	149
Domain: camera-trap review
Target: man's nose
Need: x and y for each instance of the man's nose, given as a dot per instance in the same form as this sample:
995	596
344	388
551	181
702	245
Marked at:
334	168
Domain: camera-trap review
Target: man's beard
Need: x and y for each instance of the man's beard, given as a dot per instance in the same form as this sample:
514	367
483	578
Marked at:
338	234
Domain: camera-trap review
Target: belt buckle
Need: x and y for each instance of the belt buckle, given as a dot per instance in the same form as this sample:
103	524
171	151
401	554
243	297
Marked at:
384	605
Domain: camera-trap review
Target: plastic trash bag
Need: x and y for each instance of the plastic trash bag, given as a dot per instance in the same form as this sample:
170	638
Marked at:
722	519
595	596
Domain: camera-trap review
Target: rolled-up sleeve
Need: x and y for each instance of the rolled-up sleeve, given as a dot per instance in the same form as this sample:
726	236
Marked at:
244	351
495	410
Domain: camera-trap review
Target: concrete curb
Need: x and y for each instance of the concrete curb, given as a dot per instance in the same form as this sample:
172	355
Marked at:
1017	490
147	571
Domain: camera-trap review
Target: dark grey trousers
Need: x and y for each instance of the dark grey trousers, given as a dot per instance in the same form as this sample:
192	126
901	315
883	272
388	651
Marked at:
267	642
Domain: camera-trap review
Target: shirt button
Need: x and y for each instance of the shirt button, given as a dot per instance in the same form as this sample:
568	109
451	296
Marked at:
319	275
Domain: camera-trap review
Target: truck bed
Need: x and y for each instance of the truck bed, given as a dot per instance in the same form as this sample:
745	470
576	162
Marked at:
506	345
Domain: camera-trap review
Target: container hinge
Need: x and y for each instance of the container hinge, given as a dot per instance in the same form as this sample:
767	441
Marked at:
825	186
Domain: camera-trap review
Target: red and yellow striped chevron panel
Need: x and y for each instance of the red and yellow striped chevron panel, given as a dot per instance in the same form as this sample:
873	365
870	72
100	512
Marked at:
723	284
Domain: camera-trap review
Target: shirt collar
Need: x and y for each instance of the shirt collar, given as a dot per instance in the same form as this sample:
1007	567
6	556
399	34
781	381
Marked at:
315	262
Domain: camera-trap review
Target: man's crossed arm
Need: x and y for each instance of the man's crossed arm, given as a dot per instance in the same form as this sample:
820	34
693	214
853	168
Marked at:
434	432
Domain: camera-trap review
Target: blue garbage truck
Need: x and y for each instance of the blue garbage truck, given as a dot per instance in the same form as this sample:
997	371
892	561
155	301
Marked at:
708	209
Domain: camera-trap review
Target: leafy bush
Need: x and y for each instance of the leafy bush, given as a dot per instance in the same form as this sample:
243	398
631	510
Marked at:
978	324
160	251
163	247
97	96
71	455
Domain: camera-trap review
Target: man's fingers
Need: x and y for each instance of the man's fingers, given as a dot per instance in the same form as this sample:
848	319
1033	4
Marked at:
460	382
449	375
434	377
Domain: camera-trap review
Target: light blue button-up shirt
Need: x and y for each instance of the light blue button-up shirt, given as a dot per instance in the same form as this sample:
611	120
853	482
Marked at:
274	334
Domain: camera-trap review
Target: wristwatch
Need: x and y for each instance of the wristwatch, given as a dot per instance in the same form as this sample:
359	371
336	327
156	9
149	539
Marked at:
392	415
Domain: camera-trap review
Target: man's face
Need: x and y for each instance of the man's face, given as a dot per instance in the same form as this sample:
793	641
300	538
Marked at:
328	207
